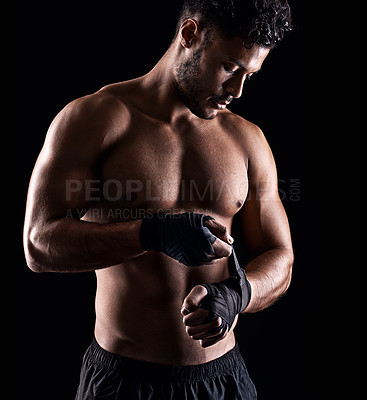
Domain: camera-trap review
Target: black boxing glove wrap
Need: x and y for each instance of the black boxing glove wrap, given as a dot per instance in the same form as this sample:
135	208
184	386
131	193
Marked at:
228	298
181	236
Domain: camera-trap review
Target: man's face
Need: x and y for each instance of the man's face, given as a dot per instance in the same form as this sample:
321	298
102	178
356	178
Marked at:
210	77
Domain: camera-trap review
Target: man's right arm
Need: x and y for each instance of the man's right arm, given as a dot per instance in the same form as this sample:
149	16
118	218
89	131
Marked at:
53	239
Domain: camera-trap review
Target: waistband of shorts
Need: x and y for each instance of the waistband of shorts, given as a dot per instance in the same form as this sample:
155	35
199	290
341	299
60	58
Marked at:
230	361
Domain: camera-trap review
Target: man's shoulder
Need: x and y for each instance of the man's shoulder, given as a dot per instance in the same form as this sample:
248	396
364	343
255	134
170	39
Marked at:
242	128
96	120
248	136
104	102
105	110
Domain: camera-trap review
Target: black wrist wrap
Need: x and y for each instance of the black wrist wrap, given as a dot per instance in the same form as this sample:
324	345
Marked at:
181	236
228	298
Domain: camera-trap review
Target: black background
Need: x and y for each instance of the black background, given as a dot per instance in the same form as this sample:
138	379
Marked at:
70	49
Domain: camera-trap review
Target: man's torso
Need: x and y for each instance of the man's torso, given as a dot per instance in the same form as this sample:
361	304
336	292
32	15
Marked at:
191	165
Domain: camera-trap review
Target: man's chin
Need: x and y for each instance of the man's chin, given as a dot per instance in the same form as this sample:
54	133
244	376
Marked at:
212	116
207	113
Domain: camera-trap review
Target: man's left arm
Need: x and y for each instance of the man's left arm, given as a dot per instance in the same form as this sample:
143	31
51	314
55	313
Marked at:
266	231
267	237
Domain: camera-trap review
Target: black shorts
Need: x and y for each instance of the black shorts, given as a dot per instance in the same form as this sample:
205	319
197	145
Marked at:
108	376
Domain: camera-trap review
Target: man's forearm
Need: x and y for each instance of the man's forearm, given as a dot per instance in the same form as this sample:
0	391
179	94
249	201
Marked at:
71	245
269	275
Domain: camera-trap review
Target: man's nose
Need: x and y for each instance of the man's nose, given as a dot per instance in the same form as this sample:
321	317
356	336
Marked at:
235	86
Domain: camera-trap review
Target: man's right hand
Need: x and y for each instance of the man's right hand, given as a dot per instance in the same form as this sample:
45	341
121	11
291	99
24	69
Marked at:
190	238
222	245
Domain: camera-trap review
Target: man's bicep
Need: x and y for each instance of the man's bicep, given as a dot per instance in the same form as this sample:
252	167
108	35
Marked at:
63	169
57	189
263	219
264	225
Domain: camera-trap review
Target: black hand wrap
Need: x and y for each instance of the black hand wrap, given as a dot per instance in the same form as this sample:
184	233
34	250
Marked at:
181	236
228	298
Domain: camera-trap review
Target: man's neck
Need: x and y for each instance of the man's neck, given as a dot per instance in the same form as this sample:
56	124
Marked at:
160	87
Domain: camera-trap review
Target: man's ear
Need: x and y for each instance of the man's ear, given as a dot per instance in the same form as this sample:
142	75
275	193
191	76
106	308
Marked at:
188	31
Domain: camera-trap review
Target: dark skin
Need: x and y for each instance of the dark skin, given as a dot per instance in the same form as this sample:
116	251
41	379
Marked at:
135	147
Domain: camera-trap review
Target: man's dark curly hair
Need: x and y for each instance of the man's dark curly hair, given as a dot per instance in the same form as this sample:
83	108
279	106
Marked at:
260	22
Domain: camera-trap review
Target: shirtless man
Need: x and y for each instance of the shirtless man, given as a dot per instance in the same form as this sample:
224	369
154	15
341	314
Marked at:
137	153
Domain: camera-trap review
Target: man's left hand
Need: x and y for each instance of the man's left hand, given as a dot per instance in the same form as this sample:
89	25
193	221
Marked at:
195	318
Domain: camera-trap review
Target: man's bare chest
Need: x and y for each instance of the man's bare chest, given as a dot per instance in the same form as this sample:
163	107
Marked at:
153	170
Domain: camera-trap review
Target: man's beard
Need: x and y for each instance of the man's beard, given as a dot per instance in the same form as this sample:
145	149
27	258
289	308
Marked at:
188	84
